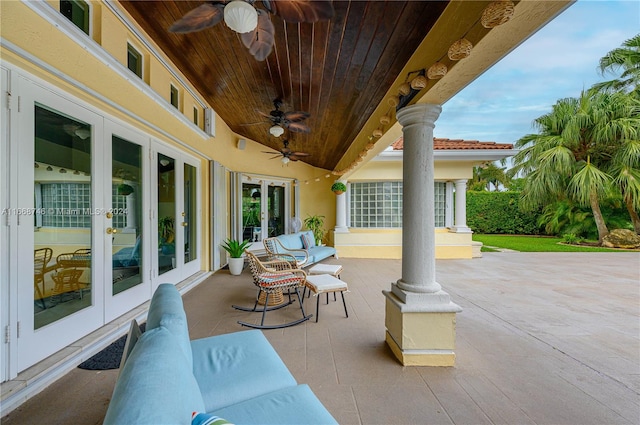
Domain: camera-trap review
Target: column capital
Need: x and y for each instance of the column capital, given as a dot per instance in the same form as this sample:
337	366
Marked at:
420	113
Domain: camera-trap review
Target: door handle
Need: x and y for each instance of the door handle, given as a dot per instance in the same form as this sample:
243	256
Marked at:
185	224
111	230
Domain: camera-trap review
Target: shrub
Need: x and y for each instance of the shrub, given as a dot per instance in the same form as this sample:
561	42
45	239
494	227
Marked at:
498	213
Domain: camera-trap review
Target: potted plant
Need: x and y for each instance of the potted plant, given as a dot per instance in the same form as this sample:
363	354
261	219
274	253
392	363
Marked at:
166	231
315	223
235	250
338	188
125	189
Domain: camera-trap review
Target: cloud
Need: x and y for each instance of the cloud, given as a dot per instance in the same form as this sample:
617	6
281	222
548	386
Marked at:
559	61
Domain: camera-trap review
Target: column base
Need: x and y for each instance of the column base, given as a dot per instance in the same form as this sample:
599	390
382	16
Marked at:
440	358
460	229
421	330
341	229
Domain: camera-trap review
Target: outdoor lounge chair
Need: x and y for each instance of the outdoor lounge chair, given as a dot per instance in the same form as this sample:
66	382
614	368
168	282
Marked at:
271	278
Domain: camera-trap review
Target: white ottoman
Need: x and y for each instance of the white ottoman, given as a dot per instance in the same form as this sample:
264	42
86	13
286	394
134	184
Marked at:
323	284
331	269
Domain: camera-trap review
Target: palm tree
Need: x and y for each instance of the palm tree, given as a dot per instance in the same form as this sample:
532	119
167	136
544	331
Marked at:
579	143
625	59
488	175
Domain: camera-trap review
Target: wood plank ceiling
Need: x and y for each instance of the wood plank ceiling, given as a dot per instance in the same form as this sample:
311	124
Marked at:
339	70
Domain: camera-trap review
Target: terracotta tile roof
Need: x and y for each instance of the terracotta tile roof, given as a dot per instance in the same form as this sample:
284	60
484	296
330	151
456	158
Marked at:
456	144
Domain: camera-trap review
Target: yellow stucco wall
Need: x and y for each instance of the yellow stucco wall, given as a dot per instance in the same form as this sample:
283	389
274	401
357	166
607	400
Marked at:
387	243
392	170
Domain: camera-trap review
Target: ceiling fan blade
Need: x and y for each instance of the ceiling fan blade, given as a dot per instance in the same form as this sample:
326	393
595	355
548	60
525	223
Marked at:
252	123
204	16
301	10
296	116
260	40
298	127
264	115
272	152
277	156
300	154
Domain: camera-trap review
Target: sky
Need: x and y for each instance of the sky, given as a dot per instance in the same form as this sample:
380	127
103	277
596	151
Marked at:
558	61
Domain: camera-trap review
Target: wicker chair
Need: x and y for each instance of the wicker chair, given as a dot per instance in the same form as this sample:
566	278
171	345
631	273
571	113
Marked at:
41	259
274	277
276	251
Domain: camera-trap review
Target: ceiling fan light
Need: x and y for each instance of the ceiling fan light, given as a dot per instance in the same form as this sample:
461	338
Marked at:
285	160
240	16
276	131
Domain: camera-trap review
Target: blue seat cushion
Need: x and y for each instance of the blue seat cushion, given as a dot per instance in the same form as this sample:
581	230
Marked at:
234	367
156	385
321	252
294	406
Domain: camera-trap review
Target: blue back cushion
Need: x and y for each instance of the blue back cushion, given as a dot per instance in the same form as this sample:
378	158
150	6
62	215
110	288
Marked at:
291	241
156	385
167	310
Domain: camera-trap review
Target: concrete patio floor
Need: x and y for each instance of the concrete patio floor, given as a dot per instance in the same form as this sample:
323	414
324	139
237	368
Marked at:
544	338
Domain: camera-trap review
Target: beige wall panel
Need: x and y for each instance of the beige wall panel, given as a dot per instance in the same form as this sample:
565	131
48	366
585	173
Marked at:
392	170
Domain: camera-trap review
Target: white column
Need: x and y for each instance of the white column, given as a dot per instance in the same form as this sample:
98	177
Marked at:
341	214
131	211
418	216
460	225
419	315
448	205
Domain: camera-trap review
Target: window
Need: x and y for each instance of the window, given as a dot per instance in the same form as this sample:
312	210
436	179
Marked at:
175	96
67	204
77	11
134	60
379	204
195	115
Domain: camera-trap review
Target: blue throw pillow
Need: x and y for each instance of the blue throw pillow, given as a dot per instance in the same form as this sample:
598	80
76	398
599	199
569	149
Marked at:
305	242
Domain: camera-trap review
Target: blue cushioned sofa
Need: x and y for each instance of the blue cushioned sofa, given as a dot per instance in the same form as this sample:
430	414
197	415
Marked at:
295	241
237	376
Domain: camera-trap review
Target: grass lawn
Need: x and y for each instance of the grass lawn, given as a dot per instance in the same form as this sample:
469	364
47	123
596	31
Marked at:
532	244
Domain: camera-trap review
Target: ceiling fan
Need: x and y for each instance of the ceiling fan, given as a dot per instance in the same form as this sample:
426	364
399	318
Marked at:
281	120
291	120
254	25
286	154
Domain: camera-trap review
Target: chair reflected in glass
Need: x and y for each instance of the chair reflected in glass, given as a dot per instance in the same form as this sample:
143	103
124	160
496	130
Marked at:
71	267
41	259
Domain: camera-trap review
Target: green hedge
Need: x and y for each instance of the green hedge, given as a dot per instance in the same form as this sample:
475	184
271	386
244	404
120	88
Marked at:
498	213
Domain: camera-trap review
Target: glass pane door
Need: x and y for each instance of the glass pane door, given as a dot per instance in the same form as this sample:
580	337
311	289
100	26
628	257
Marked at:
126	214
252	212
166	213
190	213
276	210
62	259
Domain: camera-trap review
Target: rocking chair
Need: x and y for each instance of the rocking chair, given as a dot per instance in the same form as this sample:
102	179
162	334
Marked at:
273	277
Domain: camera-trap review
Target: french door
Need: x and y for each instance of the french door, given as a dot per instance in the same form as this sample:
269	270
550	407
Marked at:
177	202
126	198
265	208
60	215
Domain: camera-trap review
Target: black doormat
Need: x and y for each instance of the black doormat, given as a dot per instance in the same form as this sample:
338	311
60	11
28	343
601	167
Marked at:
108	358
